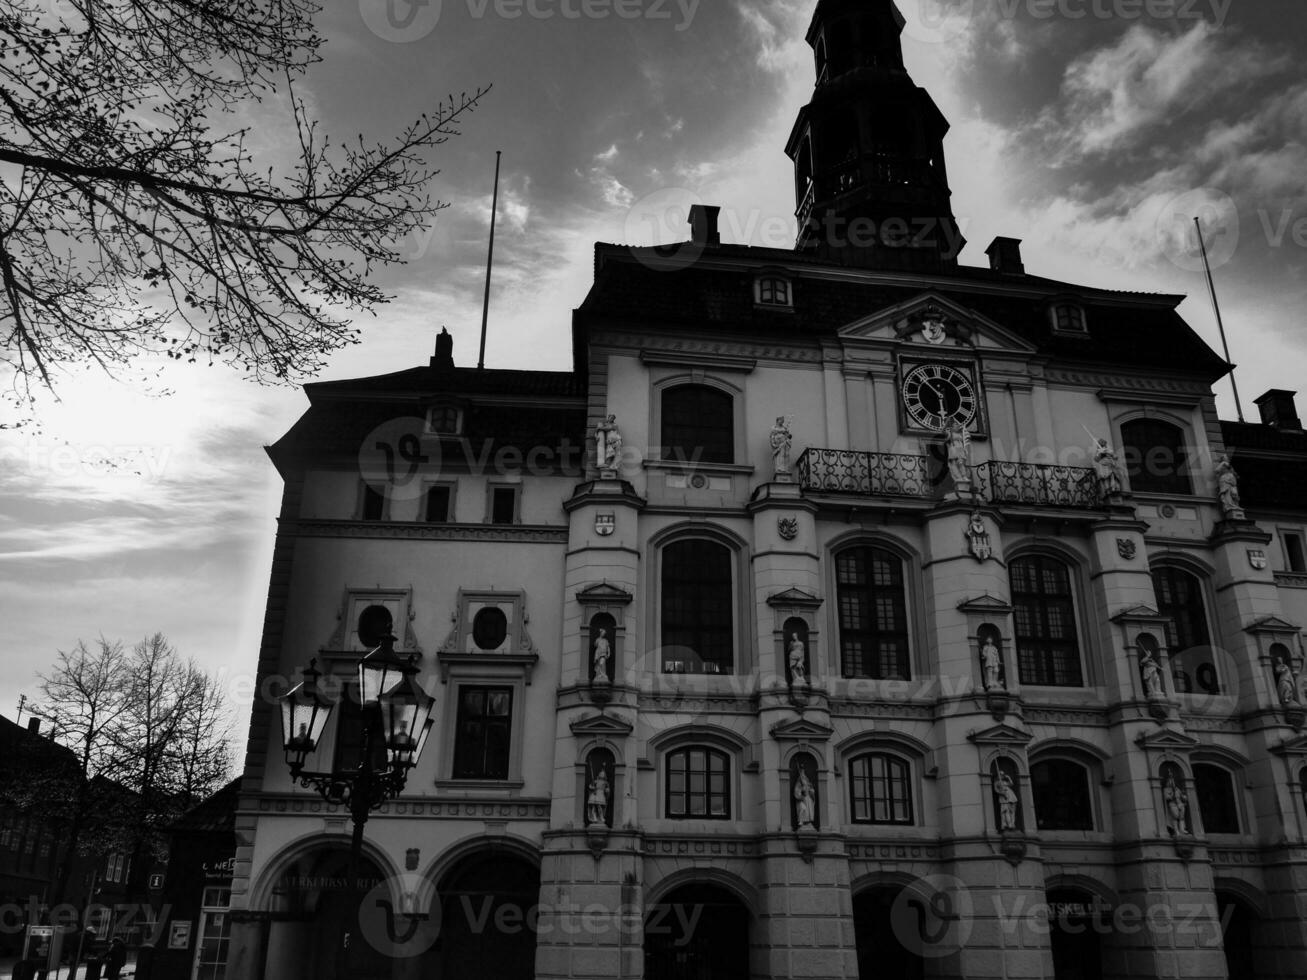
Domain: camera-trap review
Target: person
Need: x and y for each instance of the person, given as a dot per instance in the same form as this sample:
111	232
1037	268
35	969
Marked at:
115	959
1152	675
959	456
798	656
1108	469
596	803
805	801
991	661
781	441
602	652
1227	488
1007	801
1285	683
978	536
613	450
1176	804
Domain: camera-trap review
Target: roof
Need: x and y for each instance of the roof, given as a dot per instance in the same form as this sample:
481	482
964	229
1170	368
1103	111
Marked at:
217	814
1126	329
431	380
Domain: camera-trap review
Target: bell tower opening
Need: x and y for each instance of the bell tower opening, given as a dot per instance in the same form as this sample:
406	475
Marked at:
868	150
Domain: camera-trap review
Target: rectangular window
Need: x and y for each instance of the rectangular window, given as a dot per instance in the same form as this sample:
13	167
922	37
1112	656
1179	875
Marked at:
1048	651
870	596
482	735
698	632
881	790
374	504
1295	558
439	505
350	719
503	505
698	785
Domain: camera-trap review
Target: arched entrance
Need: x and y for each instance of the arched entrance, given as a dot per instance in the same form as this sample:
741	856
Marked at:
489	905
880	936
698	932
1076	930
1238	923
314	911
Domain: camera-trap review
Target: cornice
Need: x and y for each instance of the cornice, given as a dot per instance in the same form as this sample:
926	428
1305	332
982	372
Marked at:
653	348
1115	384
520	534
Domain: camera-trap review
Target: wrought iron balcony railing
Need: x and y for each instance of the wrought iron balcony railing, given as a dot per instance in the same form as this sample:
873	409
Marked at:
926	477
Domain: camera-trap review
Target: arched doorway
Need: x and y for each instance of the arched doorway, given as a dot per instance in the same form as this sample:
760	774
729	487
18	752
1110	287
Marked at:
1238	923
315	911
698	932
489	909
881	940
1076	930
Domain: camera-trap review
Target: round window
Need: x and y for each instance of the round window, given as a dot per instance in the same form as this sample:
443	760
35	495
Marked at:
489	627
375	623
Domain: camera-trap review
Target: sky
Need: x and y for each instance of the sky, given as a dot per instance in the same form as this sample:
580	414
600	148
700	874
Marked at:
1094	130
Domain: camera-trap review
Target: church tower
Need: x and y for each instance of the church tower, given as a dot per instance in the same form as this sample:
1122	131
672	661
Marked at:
868	150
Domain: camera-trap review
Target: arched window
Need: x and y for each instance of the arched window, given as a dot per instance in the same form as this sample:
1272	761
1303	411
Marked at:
1180	600
880	789
698	424
873	614
698	634
698	784
1063	801
1048	652
1156	459
1217	801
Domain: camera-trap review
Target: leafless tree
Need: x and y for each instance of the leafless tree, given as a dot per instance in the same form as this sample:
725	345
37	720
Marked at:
135	220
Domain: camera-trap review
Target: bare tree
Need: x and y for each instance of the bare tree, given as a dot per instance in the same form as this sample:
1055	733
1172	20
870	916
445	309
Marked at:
131	224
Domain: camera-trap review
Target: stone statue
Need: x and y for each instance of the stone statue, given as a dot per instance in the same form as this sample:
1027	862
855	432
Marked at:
992	663
1152	674
978	537
1108	469
1227	488
805	801
798	661
596	802
1177	807
608	443
1007	800
780	447
1284	682
601	654
959	456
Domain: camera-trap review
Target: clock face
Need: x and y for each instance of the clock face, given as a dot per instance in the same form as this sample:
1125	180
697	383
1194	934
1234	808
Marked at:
937	395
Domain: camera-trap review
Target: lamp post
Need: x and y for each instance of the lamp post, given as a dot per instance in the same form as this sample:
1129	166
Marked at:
393	706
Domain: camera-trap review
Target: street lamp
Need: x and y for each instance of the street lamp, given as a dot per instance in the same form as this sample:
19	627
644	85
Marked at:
394	706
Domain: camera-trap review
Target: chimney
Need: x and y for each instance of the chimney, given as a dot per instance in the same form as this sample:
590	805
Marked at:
1279	411
444	359
703	224
1005	256
34	725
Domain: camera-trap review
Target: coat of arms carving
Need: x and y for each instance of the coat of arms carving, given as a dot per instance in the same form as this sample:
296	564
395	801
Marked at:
787	527
605	524
1126	548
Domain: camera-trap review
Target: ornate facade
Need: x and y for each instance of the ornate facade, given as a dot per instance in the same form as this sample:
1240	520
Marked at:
844	612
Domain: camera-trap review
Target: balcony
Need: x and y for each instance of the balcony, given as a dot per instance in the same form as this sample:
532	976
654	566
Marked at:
926	478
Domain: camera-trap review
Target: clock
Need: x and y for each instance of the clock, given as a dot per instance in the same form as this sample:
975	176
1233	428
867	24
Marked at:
937	395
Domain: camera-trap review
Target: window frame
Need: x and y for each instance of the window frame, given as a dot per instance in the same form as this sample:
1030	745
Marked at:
1174	651
766	287
666	454
909	780
1200	788
451	510
366	494
1286	535
1075	314
1090	802
905	607
710	752
459	722
441	408
492	490
732	594
1073	601
1181	483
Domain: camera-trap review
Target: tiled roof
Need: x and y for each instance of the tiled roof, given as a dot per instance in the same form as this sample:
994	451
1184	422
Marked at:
431	381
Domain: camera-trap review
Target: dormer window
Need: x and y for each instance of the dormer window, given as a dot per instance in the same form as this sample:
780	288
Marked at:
1069	318
445	420
773	290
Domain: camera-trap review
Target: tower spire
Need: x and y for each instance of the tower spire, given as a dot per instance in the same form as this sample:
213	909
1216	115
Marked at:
868	150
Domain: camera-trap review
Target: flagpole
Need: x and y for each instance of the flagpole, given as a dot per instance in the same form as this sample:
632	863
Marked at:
1220	323
490	264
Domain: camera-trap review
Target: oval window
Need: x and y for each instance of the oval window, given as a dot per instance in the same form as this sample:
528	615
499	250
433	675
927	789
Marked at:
489	628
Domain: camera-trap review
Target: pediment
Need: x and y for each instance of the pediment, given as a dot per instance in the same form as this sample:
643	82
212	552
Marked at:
951	325
986	605
601	725
603	594
1271	624
1164	738
1141	613
1291	746
1000	735
794	597
801	730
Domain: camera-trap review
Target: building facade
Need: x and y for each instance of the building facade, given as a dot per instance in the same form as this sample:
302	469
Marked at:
844	612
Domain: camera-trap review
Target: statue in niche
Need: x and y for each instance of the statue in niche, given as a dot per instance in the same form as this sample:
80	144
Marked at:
978	537
608	443
805	800
991	661
1285	683
1107	467
781	440
1177	805
1006	794
959	456
596	801
1151	673
602	652
1227	488
798	660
